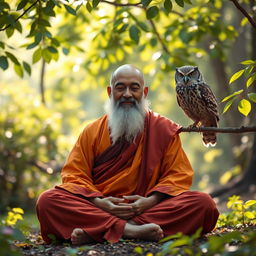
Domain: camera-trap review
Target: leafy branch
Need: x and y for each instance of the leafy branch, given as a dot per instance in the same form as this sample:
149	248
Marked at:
245	13
24	12
219	130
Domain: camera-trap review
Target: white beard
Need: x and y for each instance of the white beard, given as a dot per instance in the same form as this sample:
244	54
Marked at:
127	121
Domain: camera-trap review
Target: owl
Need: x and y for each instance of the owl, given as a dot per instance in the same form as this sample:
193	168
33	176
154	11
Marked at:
197	100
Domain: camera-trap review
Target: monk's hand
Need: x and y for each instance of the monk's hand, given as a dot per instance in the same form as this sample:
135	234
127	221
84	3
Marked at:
114	206
141	203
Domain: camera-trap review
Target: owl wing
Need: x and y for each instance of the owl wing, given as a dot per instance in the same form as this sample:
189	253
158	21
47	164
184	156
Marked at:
209	98
178	100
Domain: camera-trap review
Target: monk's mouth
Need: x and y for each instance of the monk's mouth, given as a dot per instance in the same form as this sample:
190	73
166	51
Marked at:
127	103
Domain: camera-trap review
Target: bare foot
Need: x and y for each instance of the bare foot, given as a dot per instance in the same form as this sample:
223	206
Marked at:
78	237
150	232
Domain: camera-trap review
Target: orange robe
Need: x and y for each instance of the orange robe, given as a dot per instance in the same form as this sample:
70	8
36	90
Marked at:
166	163
154	162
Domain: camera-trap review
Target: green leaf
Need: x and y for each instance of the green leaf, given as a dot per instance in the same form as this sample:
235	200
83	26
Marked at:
153	42
52	49
2	45
232	95
185	36
248	62
65	50
22	4
46	55
55	42
70	9
37	55
123	28
48	10
18	26
27	67
19	70
180	3
134	33
152	12
4	6
38	38
143	26
138	250
12	58
3	63
244	107
146	3
168	5
244	21
250	202
48	34
228	104
252	97
249	215
236	76
31	46
250	80
95	3
44	23
88	6
9	31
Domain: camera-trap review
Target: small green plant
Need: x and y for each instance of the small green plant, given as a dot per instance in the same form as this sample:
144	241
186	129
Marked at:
241	212
180	244
9	233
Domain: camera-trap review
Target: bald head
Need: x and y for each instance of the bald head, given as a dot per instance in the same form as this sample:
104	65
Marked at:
127	70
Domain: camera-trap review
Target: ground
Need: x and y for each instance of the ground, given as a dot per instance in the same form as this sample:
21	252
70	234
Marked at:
35	245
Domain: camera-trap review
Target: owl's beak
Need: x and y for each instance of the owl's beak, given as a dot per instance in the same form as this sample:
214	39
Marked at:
185	79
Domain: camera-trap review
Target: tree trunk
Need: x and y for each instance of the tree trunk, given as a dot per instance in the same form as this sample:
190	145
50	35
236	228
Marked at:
246	182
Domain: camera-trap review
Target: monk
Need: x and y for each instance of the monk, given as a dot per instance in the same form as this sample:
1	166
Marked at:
126	177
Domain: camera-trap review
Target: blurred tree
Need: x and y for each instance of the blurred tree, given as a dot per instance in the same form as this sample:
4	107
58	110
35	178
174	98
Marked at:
28	139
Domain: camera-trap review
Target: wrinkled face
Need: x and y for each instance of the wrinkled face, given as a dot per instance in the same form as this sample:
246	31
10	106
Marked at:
127	87
187	75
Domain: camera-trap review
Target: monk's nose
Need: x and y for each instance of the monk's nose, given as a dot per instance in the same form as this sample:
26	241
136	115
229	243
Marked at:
127	93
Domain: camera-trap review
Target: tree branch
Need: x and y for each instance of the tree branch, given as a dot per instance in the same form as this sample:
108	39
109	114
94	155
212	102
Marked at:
219	130
25	11
51	168
244	12
158	36
119	4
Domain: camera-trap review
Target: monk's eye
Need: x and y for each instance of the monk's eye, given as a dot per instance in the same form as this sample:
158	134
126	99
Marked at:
135	88
119	88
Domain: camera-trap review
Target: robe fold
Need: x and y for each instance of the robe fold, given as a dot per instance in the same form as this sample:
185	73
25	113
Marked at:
154	162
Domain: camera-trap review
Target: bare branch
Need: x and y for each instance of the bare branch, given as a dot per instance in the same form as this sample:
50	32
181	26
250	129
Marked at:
244	12
219	130
51	168
25	11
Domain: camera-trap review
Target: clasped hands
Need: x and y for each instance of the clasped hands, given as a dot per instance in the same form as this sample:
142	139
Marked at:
126	207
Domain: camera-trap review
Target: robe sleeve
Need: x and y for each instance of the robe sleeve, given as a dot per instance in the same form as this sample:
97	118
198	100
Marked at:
77	171
176	172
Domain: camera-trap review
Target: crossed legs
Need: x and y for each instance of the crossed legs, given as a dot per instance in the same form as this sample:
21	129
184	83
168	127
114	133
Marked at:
69	216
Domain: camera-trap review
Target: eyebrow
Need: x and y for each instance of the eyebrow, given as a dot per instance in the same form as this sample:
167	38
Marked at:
133	83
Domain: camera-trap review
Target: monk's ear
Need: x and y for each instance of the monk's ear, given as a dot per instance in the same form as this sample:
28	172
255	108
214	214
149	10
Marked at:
145	90
109	90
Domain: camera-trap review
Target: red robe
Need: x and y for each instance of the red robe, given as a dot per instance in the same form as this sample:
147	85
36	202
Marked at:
154	162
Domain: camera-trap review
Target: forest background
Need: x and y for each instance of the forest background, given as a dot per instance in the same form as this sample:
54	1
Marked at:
56	58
